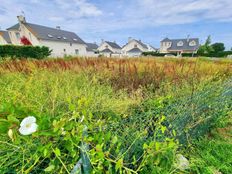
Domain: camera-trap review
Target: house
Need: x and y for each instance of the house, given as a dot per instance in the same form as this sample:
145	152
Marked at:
92	49
134	48
109	49
179	46
4	38
152	49
61	42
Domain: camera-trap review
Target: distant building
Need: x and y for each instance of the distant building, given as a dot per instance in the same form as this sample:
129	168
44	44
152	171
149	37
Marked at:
92	49
134	48
109	49
179	46
59	41
4	38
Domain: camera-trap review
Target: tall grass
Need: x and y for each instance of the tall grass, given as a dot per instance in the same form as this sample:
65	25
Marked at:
137	111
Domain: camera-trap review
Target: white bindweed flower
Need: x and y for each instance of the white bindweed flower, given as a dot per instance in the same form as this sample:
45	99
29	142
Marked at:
28	126
182	162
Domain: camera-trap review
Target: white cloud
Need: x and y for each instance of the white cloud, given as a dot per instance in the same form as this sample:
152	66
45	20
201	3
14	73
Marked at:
79	8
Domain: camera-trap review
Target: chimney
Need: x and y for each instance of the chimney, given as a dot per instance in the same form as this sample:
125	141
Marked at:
188	37
58	27
129	39
21	19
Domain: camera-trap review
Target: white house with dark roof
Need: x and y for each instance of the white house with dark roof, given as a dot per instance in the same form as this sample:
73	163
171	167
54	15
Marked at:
4	38
134	48
179	46
61	42
109	49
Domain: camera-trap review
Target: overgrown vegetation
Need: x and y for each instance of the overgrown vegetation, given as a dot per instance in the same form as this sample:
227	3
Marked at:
114	115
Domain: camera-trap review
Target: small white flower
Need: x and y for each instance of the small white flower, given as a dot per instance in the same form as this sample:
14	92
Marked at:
28	126
82	118
182	162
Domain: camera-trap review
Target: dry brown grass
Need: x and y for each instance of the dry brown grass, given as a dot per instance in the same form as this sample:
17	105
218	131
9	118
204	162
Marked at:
129	73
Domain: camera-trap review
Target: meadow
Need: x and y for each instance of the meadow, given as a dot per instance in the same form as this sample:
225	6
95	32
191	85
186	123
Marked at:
102	115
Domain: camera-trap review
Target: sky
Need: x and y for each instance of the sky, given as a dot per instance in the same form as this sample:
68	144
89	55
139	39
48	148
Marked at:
116	20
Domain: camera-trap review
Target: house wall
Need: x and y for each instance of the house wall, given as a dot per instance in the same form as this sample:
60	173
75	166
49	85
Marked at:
60	49
2	41
24	31
164	47
131	45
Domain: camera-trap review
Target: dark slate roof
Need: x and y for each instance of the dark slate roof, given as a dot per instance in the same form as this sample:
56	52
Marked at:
142	44
107	50
51	34
185	46
91	46
113	45
166	40
135	50
6	36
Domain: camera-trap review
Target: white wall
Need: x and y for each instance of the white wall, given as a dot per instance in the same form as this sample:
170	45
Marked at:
60	49
2	41
164	46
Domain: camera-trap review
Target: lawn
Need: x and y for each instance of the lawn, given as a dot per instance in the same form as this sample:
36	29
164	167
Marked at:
116	116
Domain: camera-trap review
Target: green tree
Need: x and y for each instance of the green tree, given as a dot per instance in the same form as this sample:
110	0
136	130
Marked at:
218	47
206	48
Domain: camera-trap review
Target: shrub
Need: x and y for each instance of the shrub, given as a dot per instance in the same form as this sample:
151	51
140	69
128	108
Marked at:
14	51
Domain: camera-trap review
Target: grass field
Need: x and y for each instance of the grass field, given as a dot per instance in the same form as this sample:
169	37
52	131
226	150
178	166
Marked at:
117	115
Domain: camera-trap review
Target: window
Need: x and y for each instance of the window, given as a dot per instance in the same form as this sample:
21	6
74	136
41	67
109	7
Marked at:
106	46
65	50
75	39
17	35
76	51
180	43
58	37
135	45
65	38
192	43
70	44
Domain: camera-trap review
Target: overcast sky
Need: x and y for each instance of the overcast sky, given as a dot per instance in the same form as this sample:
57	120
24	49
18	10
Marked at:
116	20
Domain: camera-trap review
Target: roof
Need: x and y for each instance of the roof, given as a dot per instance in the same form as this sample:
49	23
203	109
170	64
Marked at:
51	34
6	36
107	50
185	46
139	42
113	45
92	46
166	40
135	50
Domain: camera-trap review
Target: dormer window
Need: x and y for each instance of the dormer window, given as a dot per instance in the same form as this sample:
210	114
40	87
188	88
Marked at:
106	46
75	39
49	35
180	43
58	37
192	43
135	45
65	38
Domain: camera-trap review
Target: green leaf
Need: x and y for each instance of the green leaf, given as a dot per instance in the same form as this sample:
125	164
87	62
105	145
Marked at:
119	164
4	126
57	152
49	168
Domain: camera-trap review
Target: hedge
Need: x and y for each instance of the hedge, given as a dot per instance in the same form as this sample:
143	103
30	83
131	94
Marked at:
213	54
14	51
